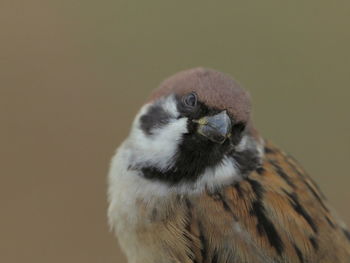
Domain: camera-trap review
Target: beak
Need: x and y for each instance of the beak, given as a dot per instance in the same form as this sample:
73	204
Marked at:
216	128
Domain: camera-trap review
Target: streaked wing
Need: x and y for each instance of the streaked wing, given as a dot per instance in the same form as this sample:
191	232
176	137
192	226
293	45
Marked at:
276	214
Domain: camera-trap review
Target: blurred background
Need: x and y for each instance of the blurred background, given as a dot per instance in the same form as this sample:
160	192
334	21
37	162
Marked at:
74	73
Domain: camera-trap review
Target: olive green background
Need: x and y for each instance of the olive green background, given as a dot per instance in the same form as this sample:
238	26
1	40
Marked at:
74	73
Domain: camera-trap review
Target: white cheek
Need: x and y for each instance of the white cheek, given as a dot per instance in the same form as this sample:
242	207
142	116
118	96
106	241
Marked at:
158	149
170	105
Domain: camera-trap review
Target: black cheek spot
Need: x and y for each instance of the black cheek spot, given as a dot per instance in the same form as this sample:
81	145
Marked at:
155	117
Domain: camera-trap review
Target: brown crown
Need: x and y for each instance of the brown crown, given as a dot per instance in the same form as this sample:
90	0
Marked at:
213	88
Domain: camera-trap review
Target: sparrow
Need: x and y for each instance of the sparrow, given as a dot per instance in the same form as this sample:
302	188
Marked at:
195	182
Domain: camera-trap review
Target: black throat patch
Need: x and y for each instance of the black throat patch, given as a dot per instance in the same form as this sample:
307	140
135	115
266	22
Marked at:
195	153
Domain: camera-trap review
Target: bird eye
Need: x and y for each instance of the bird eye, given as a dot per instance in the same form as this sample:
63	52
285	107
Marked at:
190	100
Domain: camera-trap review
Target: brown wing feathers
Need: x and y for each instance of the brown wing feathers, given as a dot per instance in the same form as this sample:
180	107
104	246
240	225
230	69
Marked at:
277	214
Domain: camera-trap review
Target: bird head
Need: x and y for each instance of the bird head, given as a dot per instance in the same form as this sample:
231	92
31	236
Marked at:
195	129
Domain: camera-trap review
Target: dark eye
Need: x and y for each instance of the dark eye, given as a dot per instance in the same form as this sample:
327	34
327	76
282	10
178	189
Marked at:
190	100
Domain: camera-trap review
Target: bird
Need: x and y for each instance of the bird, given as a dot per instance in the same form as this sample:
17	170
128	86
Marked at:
195	182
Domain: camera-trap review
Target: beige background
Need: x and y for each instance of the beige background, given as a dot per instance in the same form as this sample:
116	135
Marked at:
74	73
